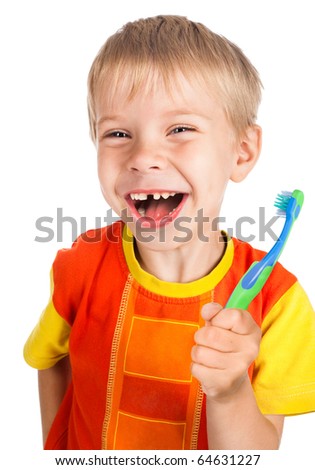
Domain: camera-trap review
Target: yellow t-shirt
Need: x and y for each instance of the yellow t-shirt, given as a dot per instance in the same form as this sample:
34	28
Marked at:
129	336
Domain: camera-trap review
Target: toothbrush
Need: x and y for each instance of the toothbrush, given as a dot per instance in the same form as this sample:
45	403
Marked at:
289	206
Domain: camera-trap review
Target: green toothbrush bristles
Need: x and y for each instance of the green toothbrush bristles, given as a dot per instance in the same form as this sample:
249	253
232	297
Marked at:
289	204
281	202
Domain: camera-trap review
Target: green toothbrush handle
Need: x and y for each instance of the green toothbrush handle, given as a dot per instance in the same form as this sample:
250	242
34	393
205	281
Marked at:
242	296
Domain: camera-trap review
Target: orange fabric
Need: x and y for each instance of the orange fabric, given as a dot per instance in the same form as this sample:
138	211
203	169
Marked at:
163	338
130	349
156	353
132	429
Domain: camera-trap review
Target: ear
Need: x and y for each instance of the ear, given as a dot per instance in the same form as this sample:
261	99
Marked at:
247	153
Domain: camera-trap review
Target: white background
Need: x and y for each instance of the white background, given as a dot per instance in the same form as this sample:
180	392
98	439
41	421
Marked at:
48	160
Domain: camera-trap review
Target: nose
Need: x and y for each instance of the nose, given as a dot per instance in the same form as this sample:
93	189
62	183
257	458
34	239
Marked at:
145	159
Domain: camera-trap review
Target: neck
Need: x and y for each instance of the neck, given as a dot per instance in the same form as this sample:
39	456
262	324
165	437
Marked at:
186	263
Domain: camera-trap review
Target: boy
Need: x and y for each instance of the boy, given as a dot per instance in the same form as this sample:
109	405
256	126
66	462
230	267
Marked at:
135	349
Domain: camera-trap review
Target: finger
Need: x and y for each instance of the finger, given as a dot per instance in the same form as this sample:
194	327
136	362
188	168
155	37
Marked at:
213	381
210	357
216	383
210	310
217	338
236	320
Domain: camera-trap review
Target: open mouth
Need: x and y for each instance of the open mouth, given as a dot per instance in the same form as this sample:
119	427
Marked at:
156	208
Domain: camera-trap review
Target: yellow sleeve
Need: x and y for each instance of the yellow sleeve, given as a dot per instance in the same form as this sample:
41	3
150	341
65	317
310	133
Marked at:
48	342
284	373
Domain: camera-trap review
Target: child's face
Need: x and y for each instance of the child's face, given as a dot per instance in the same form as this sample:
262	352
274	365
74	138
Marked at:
165	157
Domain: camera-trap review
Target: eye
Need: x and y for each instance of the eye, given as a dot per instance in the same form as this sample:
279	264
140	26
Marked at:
117	134
181	129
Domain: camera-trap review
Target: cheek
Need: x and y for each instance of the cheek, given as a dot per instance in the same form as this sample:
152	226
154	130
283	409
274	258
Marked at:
105	170
108	175
106	179
101	171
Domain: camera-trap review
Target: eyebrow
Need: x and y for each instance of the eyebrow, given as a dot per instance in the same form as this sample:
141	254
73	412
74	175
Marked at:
107	118
179	111
173	112
186	112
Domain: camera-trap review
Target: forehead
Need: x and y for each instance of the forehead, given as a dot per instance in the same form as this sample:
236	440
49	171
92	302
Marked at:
115	92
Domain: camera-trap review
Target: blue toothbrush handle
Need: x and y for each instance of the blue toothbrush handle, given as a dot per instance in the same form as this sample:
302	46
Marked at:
256	276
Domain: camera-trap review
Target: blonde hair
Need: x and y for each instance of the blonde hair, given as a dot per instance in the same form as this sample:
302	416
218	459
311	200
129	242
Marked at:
167	45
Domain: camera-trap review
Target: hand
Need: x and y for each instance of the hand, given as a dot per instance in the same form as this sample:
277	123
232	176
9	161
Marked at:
225	348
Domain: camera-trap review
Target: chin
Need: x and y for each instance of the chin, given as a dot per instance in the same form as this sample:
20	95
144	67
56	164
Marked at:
164	237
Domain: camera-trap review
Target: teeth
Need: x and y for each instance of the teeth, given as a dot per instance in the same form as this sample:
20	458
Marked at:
156	196
144	197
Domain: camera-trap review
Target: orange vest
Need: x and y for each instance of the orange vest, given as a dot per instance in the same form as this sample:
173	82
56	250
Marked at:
130	347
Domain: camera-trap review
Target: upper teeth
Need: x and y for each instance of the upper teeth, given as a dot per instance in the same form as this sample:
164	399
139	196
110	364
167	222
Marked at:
144	196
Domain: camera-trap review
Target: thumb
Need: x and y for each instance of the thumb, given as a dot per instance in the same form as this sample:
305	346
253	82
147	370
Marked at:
209	311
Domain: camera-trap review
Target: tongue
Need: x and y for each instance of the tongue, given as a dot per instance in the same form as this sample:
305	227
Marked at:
157	209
